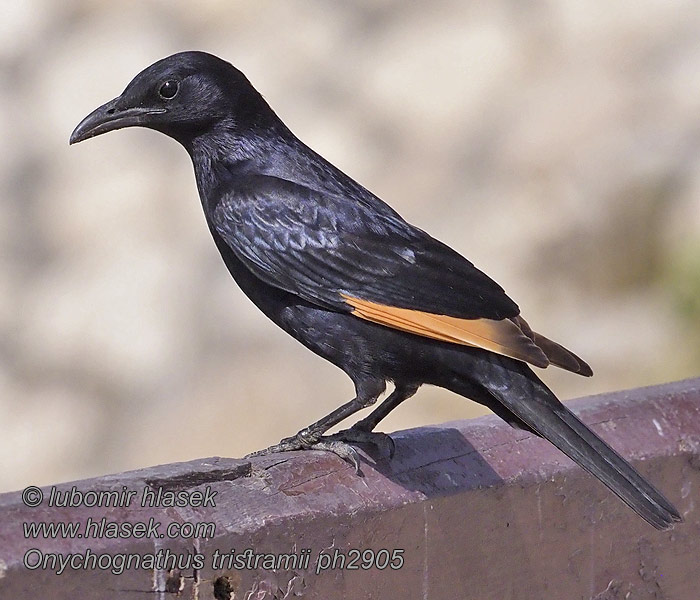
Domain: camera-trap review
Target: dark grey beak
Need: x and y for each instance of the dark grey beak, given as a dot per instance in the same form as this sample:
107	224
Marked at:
109	117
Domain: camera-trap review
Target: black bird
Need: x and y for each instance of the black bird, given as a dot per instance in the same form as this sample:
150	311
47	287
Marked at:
343	273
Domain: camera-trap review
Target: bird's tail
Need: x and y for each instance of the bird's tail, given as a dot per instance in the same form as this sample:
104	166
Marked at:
529	400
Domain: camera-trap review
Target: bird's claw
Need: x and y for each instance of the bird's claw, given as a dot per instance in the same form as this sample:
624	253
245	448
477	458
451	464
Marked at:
381	441
341	449
306	441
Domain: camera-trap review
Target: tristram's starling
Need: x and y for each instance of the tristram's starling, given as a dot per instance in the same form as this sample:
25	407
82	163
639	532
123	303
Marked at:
344	274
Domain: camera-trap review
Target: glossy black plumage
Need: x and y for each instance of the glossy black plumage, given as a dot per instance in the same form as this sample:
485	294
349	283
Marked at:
318	244
343	273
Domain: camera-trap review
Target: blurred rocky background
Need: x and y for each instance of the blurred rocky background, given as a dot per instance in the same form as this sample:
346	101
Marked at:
557	145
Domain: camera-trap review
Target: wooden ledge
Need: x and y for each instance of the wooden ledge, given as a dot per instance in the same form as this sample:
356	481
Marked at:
467	509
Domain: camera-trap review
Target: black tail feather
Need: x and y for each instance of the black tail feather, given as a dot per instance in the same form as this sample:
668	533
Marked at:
535	406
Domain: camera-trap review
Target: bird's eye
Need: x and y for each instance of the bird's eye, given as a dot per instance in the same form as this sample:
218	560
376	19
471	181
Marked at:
169	89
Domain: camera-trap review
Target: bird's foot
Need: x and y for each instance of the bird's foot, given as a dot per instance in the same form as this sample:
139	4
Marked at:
307	440
358	435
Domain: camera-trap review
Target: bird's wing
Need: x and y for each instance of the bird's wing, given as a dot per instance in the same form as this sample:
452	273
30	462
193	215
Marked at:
341	254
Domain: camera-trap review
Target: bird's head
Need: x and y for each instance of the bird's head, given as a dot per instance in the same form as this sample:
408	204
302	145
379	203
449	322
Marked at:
183	96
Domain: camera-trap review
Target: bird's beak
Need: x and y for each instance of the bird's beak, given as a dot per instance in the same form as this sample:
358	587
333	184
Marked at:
109	117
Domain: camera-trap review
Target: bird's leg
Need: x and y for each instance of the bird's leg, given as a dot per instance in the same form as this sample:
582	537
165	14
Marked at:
362	431
400	393
311	437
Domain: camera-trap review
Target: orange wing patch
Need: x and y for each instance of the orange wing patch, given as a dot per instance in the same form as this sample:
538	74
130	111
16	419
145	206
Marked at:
503	337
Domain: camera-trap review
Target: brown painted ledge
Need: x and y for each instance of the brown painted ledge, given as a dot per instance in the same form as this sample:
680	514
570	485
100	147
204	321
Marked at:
474	508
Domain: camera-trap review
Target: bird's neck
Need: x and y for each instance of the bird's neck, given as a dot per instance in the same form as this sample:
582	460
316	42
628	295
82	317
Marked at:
221	156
